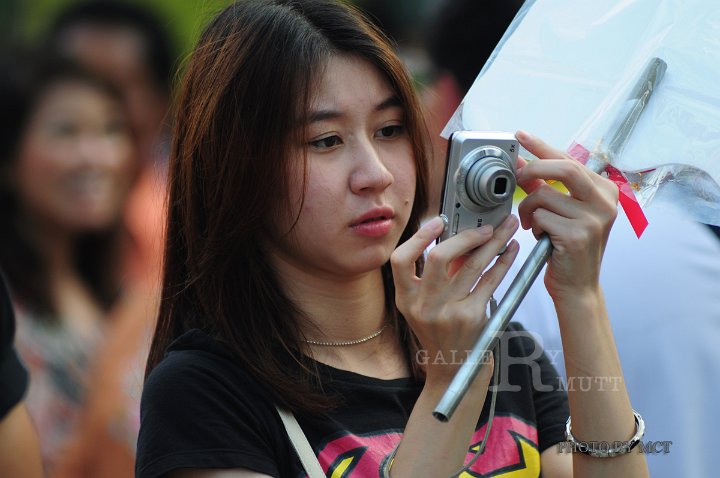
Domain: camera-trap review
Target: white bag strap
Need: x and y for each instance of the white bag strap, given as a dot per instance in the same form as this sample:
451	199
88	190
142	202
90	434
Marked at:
301	445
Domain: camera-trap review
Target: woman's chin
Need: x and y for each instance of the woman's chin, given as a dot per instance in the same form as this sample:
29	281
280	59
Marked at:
365	263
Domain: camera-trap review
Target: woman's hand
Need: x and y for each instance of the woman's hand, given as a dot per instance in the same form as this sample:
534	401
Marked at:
578	224
442	308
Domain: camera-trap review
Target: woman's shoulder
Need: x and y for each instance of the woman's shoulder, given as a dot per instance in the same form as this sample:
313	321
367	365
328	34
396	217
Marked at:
200	409
197	362
193	345
201	370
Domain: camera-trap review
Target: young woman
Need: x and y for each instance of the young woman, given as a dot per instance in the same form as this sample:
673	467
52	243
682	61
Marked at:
66	166
294	275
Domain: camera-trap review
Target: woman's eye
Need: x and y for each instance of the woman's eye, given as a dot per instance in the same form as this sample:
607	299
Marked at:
390	131
326	142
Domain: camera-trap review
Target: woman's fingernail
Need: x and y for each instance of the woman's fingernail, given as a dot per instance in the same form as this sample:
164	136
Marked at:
523	135
436	224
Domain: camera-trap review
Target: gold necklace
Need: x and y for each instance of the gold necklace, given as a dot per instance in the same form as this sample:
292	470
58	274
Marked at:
346	342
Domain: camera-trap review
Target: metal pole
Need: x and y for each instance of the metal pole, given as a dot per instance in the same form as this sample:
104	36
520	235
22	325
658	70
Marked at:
498	322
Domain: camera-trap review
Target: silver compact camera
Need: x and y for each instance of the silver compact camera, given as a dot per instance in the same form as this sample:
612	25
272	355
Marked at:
479	180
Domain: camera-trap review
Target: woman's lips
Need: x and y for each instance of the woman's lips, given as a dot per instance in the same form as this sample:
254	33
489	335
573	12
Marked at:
375	222
373	227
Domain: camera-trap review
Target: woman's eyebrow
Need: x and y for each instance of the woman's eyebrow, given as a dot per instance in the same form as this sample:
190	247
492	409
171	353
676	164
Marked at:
322	115
390	102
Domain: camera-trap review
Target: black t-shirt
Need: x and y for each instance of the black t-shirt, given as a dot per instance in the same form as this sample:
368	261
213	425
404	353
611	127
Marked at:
13	376
201	410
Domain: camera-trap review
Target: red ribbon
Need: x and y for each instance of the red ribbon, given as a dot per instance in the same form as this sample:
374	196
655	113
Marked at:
628	201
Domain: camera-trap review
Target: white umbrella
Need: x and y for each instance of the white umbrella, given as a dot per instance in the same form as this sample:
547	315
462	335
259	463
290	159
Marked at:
563	72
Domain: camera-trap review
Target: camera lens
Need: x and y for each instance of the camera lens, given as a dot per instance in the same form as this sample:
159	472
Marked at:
500	187
489	182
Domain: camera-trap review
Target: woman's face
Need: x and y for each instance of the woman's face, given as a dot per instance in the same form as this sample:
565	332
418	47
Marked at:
75	163
360	181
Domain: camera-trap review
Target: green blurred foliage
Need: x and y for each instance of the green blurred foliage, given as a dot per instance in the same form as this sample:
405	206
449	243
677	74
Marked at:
184	20
26	20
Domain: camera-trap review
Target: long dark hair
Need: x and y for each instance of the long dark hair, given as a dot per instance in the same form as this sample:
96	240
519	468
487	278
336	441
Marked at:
25	75
240	112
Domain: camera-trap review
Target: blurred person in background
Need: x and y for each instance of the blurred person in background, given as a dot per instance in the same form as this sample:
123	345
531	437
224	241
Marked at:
67	164
661	289
129	45
19	448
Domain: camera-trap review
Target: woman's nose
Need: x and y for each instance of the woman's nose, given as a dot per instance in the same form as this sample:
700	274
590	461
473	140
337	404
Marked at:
370	172
97	149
